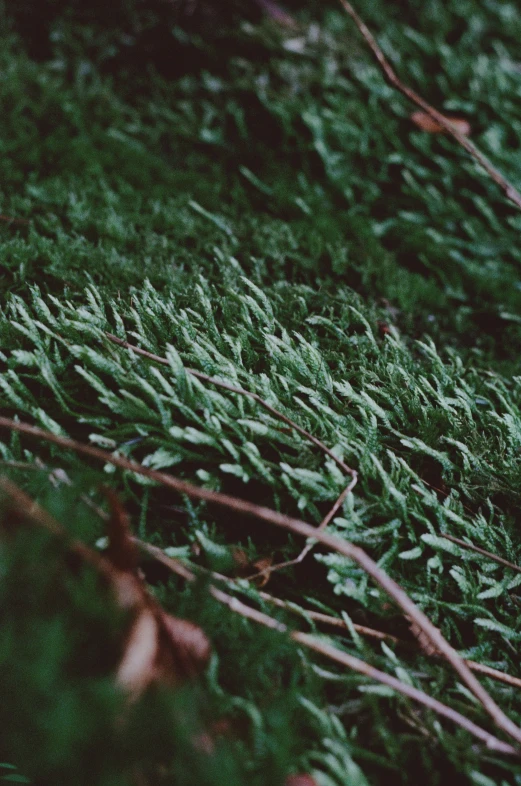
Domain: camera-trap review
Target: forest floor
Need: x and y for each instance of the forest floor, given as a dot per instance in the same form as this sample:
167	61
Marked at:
260	209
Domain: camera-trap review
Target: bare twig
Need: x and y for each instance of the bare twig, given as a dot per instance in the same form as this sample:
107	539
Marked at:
339	656
307	548
484	552
327	619
39	516
511	193
36	514
248	394
275	412
298	527
495	674
40	467
379	635
13	220
413	693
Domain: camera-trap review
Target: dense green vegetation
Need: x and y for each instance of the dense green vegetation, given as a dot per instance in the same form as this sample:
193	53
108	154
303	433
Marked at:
252	201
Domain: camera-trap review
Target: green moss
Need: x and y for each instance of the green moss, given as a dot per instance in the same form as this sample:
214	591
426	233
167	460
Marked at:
267	215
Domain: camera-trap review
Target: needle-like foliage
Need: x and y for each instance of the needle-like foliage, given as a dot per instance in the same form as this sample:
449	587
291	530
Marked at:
262	212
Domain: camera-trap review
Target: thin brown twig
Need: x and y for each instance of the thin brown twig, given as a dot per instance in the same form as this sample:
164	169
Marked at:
511	193
298	527
276	413
414	693
328	619
13	220
43	468
339	656
328	518
248	394
379	635
307	548
489	554
39	516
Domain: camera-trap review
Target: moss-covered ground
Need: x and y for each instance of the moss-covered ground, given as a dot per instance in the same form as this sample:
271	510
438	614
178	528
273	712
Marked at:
252	201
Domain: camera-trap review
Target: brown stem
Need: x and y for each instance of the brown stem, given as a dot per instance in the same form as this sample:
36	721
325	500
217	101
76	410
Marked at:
298	527
511	193
328	619
307	548
341	657
484	552
242	392
37	515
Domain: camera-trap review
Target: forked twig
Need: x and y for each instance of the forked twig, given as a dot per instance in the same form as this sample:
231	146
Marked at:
339	656
355	664
40	517
511	193
298	527
326	619
307	548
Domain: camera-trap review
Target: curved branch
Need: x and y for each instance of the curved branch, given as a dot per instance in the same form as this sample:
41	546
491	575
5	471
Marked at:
298	527
510	192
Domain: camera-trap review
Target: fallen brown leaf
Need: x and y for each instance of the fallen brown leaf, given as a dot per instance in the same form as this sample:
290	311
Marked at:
240	559
431	126
263	566
158	647
301	779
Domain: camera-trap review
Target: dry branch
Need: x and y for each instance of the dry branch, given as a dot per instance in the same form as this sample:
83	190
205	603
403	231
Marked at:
339	656
325	619
511	193
248	394
158	648
276	413
484	552
305	530
307	548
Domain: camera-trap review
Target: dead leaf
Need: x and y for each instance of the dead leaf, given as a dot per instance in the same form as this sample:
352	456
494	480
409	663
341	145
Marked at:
431	126
189	643
158	647
240	559
301	779
136	670
245	568
263	566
